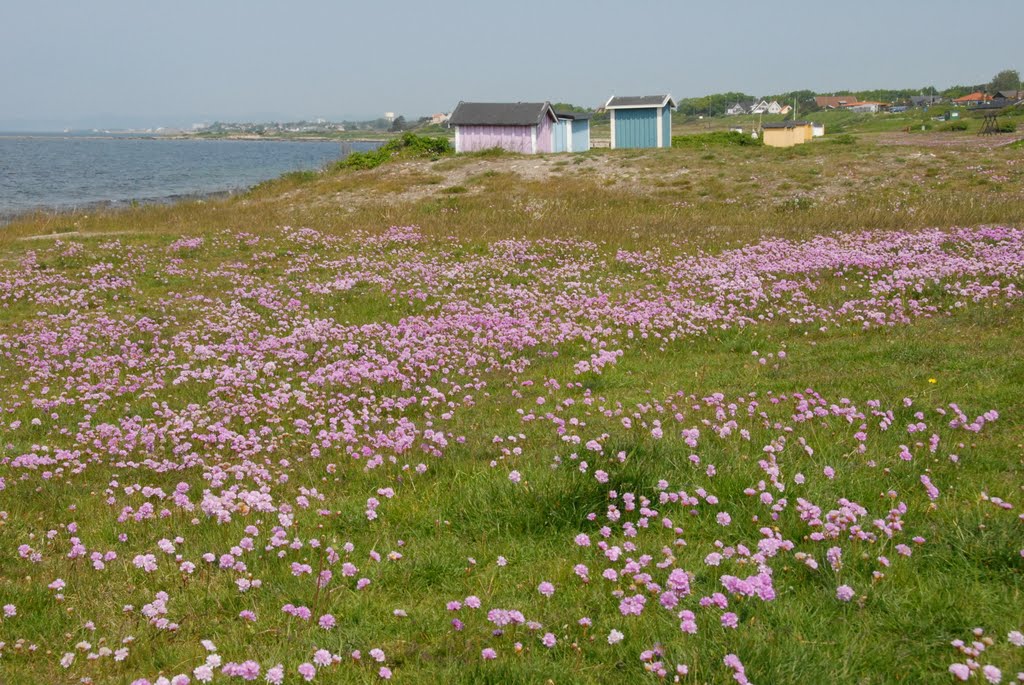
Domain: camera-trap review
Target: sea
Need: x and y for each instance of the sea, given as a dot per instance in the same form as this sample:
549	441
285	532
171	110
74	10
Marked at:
69	171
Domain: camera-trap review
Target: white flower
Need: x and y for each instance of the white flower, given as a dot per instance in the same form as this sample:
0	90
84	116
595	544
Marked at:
615	637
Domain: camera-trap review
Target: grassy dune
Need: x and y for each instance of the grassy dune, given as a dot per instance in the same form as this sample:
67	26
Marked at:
721	415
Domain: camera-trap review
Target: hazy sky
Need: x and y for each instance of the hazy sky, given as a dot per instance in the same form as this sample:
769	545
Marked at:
140	63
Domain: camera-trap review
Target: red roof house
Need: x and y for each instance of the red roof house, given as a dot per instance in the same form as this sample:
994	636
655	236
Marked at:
977	97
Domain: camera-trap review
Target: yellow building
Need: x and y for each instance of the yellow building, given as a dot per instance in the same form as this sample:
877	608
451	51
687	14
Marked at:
787	133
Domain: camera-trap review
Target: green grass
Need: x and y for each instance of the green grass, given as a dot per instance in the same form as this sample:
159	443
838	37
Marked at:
969	574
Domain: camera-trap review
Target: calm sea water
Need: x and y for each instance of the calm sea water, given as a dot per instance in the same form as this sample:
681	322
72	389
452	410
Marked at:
66	171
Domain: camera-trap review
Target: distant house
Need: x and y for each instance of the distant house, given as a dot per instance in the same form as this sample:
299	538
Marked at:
774	107
925	100
834	101
571	132
438	118
975	98
736	109
786	109
641	121
787	133
1010	95
514	126
759	107
862	107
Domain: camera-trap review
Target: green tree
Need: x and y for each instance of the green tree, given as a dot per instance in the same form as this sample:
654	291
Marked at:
568	107
398	124
1007	79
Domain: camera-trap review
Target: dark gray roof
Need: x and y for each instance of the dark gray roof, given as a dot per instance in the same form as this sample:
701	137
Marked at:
786	124
499	113
638	101
574	115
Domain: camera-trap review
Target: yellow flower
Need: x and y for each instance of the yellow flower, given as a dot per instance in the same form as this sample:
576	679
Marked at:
932	380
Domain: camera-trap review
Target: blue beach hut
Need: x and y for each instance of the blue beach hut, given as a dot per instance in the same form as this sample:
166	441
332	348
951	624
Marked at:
641	121
571	132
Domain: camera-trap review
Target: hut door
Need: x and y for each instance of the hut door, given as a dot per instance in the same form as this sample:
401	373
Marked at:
561	136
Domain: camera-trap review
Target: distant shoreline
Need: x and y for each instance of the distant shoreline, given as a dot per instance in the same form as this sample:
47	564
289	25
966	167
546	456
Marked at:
118	205
114	135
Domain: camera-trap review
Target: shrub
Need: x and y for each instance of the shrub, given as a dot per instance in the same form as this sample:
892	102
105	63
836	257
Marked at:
491	152
955	126
843	139
1006	127
302	176
716	138
407	146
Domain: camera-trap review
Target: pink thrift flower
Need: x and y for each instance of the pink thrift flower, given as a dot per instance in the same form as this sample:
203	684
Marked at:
275	675
487	654
960	671
844	593
546	589
307	671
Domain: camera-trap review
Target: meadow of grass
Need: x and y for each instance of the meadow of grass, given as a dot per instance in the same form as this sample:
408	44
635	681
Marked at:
710	414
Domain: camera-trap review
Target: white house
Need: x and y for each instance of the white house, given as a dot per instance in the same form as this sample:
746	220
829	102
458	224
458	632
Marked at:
760	107
774	107
736	109
817	130
862	107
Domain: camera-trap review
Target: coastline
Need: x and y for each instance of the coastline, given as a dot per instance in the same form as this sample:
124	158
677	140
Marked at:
56	212
114	135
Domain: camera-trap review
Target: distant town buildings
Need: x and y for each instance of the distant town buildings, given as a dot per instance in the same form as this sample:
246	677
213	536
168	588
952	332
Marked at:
975	98
925	100
762	107
834	101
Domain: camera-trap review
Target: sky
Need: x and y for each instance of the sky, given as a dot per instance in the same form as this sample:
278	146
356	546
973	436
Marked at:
113	63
